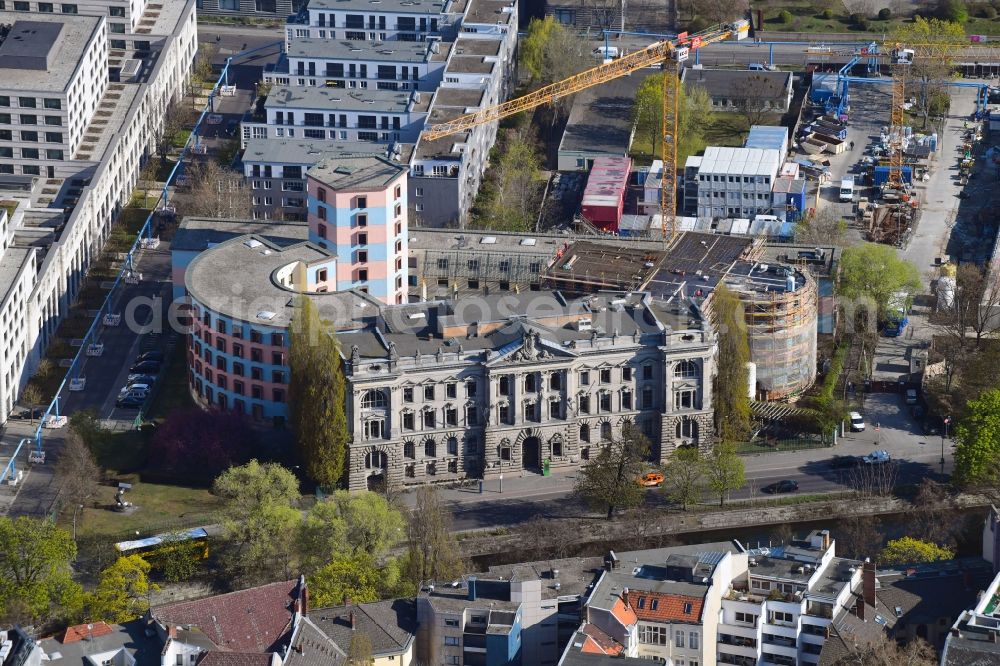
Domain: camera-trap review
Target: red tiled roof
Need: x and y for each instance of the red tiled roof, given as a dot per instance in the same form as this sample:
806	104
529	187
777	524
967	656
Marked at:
250	620
623	613
599	642
668	607
235	659
81	631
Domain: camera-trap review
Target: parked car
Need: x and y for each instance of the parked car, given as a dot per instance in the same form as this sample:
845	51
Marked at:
783	486
131	399
140	378
911	396
155	356
651	479
33	413
138	388
877	457
857	422
146	367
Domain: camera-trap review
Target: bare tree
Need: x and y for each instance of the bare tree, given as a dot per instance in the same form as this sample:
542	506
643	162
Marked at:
719	11
77	470
753	96
177	117
824	226
32	396
931	518
885	651
871	480
215	192
859	537
977	299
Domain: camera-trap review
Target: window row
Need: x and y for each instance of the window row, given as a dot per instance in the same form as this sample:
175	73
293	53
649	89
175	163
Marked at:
275	339
31	102
30	119
222	383
256	354
33	154
239	370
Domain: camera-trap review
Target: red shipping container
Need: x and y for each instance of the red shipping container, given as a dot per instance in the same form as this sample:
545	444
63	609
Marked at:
604	196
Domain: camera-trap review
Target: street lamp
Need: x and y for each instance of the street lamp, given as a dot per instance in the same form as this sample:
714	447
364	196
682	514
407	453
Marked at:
75	511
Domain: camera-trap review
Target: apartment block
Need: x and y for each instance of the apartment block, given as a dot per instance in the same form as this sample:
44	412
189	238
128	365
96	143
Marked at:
275	169
357	210
53	72
389	20
107	128
259	9
123	16
319	114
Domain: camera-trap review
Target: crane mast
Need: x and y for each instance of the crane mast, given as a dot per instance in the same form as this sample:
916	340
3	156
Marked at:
668	53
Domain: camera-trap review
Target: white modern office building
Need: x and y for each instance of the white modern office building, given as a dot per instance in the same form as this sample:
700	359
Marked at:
65	209
123	16
388	20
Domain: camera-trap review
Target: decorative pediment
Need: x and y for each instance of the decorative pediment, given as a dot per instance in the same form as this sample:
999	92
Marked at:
531	348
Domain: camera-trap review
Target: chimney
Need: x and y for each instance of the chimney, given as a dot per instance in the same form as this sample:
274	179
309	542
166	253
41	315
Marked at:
471	582
172	631
859	608
303	596
353	625
868	582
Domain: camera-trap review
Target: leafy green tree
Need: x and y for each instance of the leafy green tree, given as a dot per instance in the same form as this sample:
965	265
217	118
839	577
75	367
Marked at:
977	454
35	576
874	271
122	594
954	11
907	550
725	470
354	577
316	392
432	552
359	652
611	480
550	52
321	535
928	74
258	516
684	476
373	524
695	115
178	561
731	393
510	201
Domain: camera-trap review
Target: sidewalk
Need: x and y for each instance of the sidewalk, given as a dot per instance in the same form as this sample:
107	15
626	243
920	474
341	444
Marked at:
36	493
514	488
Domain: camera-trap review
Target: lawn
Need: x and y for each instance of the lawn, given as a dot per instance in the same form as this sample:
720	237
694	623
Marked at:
161	508
807	16
726	129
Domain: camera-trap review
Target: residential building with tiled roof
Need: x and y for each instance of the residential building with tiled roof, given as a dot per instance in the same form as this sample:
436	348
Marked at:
390	625
258	619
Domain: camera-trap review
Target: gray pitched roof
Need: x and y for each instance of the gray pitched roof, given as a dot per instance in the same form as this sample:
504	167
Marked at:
390	625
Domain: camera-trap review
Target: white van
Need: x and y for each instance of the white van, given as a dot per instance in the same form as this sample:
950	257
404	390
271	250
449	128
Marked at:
606	52
847	189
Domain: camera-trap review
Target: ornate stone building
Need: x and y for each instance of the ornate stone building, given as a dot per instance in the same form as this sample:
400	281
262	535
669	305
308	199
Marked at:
449	390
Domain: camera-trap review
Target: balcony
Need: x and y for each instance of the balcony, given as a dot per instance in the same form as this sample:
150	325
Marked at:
738	641
782	641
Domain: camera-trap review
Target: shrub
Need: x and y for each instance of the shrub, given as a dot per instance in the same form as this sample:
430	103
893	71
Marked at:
201	443
953	10
827	14
884	14
989	12
863	23
784	16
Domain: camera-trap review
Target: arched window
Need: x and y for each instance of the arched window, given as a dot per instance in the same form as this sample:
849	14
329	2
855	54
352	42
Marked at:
376	460
606	431
430	448
409	450
374	399
686	369
584	432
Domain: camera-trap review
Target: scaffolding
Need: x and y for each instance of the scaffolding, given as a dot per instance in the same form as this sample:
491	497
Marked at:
781	314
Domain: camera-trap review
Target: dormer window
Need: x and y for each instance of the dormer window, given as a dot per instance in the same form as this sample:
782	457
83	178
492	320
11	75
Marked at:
641	603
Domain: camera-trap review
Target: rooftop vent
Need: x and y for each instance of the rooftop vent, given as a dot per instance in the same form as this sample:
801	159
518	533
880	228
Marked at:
266	315
528	241
252	243
488	240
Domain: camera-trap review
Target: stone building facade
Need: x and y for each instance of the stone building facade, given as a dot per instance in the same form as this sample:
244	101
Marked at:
538	395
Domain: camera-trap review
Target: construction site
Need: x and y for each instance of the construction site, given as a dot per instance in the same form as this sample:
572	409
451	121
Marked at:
780	298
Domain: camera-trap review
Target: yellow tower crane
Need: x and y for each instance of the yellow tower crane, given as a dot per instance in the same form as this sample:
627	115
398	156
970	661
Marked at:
670	54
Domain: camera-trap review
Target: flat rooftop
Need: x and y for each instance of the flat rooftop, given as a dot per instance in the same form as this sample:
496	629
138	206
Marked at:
199	233
383	6
462	98
259	299
605	264
600	121
443	148
467	46
394	51
308	152
42	54
471	65
366	172
490	11
740	161
340	99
